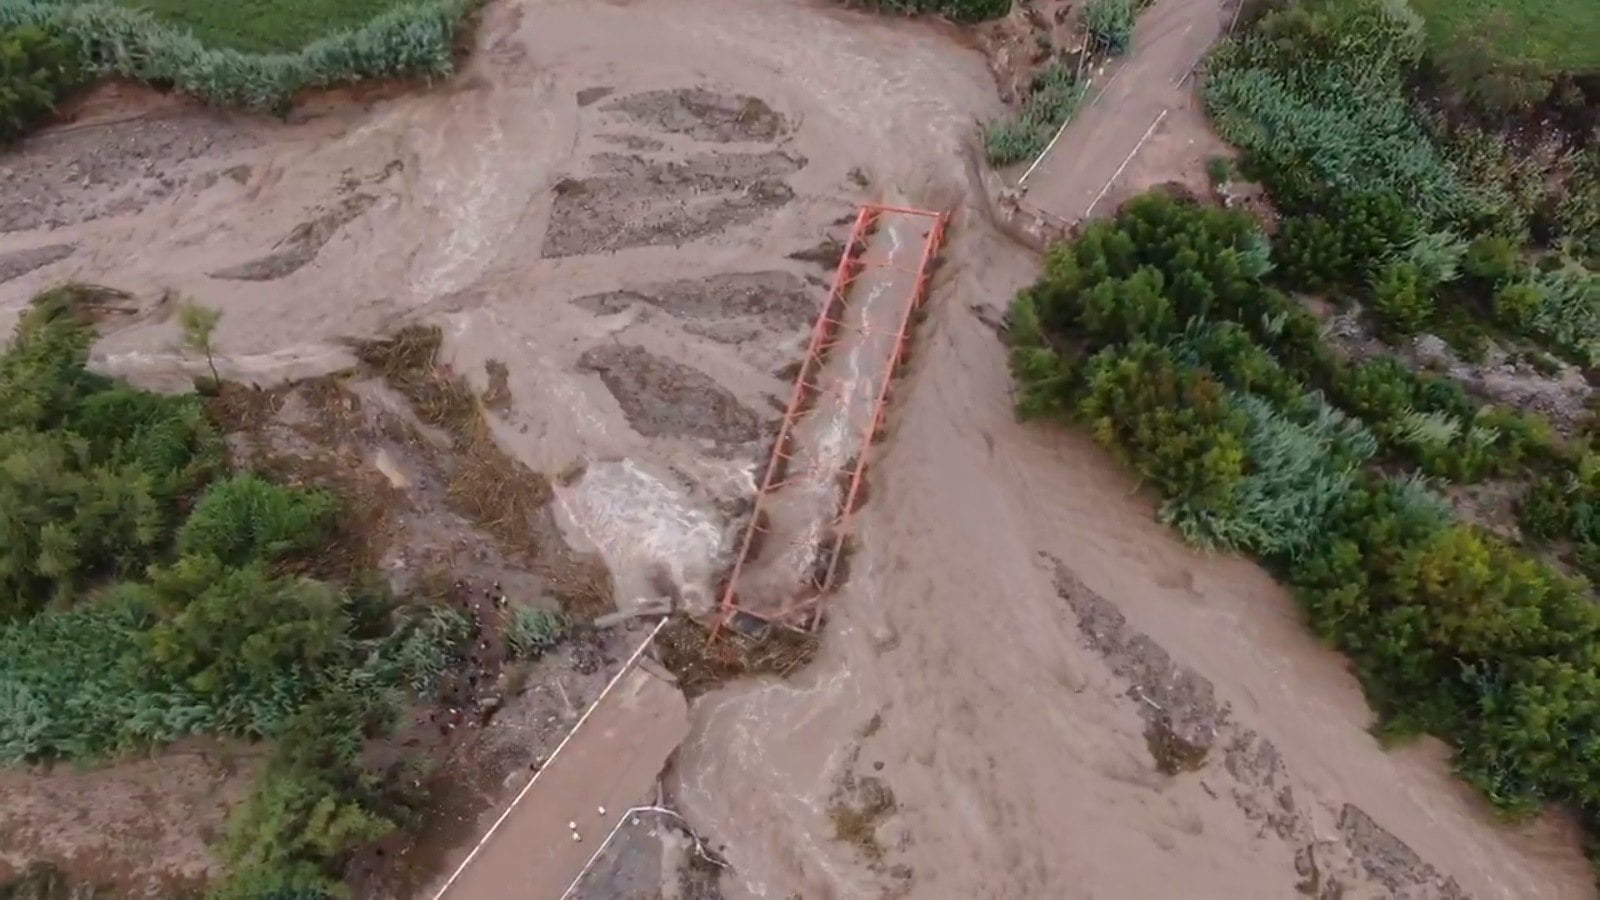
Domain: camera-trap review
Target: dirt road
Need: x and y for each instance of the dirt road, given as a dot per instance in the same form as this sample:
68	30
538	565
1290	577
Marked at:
622	203
611	762
1129	96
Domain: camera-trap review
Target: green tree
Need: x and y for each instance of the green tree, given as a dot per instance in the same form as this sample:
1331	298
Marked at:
64	523
246	519
237	637
1492	260
1175	425
37	70
199	323
1517	305
1402	299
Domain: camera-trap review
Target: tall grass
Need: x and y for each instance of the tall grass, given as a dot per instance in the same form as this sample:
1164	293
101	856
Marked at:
262	26
1110	23
1052	99
414	40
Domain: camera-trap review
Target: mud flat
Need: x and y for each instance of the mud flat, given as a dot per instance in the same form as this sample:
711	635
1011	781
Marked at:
560	202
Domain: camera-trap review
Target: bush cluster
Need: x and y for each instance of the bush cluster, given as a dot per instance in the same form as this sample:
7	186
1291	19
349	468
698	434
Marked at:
531	632
1110	23
1052	98
416	40
1377	193
92	473
958	10
144	598
1161	333
37	69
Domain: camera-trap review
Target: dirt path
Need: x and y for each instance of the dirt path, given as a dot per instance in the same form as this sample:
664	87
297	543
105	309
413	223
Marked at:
611	762
1169	39
624	208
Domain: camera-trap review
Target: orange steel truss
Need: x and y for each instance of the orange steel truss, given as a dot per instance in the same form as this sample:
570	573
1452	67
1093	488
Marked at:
804	610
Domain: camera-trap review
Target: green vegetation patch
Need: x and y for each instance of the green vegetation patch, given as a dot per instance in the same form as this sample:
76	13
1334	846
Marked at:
1174	334
1162	333
146	596
1432	227
264	26
414	39
1552	35
1052	98
959	10
37	69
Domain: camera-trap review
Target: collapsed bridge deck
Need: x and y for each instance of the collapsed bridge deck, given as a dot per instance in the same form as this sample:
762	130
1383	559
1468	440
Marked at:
799	530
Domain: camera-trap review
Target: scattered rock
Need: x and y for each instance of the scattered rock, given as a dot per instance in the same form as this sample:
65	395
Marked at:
778	298
1391	862
68	177
633	142
302	245
662	397
702	115
17	263
636	202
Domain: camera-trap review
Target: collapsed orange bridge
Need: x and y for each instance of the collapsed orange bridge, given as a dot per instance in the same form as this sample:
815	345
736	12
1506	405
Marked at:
799	531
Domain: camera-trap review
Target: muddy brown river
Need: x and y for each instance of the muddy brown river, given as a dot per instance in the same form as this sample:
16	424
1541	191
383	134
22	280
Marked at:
628	205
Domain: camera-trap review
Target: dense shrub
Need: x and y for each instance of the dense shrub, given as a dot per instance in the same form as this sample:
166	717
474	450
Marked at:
533	631
1492	260
314	805
1316	252
1517	305
1505	186
247	519
959	10
37	69
180	627
412	41
1296	471
1315	97
1437	255
1577	213
1421	603
92	474
1153	332
1568	315
1402	299
1308	253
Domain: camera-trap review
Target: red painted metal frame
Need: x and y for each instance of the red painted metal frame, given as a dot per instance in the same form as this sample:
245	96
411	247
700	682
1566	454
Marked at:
808	609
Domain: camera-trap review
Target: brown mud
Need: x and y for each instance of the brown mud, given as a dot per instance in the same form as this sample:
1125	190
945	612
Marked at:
734	139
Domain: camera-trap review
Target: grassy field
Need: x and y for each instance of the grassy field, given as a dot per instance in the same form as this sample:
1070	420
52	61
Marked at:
262	26
1556	35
